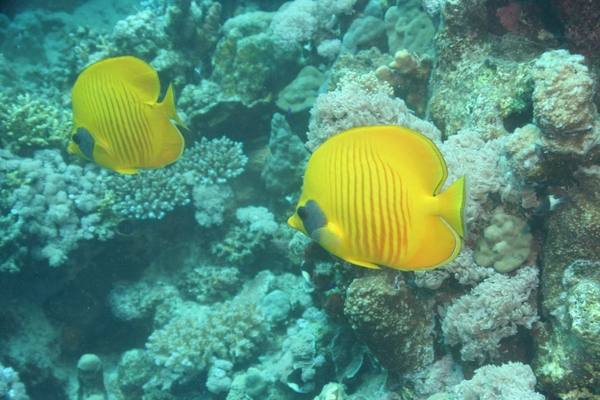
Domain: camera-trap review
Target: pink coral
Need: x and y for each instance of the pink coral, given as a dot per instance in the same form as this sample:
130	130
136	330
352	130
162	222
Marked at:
509	17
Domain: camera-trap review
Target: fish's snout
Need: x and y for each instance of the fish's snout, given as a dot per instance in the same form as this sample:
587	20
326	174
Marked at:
294	222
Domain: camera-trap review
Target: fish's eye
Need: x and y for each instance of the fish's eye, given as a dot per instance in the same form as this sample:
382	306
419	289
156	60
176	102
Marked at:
77	139
302	213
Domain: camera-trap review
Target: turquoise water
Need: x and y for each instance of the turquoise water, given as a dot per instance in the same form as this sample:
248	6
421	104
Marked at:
186	281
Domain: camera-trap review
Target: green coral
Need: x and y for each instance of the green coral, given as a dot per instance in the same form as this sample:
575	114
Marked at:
495	92
29	124
247	62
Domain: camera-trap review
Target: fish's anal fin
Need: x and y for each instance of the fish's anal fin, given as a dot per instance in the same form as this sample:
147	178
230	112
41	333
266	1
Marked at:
127	171
452	205
362	263
447	241
327	237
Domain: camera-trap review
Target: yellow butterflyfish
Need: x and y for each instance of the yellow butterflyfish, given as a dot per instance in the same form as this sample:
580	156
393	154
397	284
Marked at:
117	121
372	196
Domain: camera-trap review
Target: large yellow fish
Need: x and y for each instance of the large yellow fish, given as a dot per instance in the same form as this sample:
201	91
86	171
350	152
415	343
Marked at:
117	122
371	196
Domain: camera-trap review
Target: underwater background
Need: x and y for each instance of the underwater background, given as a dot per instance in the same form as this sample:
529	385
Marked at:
185	282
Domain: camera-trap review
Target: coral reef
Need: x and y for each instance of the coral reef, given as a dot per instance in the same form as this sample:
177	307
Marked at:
382	311
90	375
463	268
564	110
211	203
562	345
302	92
360	102
582	309
51	201
562	98
152	193
490	313
505	244
520	151
187	283
409	74
496	71
508	381
364	32
247	59
295	24
230	331
285	166
10	385
408	28
29	124
255	227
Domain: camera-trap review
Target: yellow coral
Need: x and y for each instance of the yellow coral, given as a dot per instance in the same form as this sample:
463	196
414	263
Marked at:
29	124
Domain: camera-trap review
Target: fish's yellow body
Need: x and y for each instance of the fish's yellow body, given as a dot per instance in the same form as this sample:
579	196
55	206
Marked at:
371	196
117	121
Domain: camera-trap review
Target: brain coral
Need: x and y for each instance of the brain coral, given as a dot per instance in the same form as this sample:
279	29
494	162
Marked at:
505	244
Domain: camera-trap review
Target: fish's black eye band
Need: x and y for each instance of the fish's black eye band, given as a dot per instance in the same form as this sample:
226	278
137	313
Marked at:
302	212
312	216
84	140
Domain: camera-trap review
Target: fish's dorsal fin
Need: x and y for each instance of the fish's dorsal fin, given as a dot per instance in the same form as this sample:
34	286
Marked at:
167	106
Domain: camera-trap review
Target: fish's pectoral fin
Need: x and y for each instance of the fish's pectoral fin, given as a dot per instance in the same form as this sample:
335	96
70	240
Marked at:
362	263
327	238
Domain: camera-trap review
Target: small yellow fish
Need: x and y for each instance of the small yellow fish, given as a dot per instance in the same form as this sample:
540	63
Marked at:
117	122
371	196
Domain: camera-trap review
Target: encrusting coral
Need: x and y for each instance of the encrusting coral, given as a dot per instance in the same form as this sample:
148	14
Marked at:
391	320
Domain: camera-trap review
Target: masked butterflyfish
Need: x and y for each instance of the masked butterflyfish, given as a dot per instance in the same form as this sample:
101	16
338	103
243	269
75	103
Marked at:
373	197
117	120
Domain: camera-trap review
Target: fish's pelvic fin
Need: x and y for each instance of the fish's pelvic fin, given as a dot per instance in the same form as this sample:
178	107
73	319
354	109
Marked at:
327	237
362	263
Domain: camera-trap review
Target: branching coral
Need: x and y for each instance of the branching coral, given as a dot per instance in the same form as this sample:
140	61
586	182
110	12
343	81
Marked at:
152	193
231	331
29	124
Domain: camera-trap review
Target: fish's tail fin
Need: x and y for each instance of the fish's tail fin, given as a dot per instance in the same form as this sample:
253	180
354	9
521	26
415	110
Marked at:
168	105
452	205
